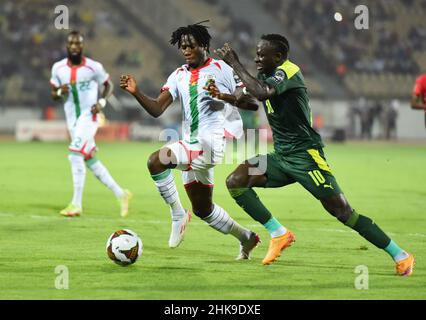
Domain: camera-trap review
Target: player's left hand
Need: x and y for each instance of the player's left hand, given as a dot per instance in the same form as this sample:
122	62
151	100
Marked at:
227	54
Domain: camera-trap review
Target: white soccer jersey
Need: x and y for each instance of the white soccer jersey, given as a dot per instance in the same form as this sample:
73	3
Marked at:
84	81
203	115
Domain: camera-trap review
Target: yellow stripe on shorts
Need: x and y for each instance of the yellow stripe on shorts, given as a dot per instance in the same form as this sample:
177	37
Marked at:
319	160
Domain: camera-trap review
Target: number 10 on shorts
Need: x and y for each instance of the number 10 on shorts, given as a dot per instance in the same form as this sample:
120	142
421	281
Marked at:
317	176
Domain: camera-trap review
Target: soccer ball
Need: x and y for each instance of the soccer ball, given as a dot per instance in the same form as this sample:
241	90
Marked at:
124	247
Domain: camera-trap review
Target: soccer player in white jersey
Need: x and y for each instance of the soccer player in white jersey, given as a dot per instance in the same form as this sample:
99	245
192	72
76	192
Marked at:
206	122
76	80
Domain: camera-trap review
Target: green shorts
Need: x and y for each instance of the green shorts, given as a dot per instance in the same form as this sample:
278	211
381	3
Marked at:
309	168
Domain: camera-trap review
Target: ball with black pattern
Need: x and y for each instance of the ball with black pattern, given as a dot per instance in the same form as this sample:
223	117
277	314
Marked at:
124	247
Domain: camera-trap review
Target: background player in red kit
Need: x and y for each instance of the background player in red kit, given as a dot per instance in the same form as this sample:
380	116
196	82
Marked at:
418	98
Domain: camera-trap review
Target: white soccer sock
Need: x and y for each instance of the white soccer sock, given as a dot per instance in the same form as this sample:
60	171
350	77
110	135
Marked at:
401	256
101	172
221	221
78	177
165	183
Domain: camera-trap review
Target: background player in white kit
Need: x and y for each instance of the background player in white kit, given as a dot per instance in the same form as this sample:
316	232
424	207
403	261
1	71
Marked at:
76	79
205	123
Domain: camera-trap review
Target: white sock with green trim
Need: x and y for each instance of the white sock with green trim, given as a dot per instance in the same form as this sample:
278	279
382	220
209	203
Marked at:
165	183
78	170
221	221
103	175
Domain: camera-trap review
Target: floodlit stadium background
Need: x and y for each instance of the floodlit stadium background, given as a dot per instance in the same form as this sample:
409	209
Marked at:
359	80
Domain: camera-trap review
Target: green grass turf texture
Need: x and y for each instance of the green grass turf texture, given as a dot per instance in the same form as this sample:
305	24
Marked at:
383	181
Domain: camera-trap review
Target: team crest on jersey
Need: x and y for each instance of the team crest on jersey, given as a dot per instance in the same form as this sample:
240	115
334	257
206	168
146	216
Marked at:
209	78
279	76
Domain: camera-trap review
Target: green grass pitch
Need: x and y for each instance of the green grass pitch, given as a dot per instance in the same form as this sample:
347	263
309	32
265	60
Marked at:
383	181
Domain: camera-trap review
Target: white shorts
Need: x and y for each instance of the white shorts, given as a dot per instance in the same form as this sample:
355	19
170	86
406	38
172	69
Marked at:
197	160
83	135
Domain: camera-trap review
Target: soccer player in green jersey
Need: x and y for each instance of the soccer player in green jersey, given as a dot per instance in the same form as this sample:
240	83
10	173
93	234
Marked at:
298	155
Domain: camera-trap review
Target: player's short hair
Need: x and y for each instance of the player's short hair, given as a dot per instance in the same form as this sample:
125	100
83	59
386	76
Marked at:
75	33
279	42
197	30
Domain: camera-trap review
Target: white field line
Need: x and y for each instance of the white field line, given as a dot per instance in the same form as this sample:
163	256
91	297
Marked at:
252	226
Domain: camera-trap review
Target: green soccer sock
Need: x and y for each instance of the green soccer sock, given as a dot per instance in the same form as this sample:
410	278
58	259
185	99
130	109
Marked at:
247	199
396	252
274	228
369	230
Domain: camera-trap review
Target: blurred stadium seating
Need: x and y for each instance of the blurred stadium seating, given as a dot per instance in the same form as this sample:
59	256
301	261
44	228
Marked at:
132	37
31	44
374	64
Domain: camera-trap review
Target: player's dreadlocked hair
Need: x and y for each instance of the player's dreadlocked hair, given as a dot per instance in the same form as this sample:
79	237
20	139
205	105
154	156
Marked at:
197	30
280	42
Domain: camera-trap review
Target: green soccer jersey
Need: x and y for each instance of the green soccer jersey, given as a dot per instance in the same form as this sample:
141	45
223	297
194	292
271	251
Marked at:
288	112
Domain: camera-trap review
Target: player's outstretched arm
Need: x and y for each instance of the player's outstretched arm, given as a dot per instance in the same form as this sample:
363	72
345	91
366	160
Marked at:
155	107
108	88
259	90
238	99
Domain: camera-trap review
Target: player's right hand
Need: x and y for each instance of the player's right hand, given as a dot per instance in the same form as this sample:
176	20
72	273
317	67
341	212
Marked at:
65	89
128	83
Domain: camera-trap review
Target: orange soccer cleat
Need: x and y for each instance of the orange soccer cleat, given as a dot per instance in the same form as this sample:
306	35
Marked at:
277	245
405	267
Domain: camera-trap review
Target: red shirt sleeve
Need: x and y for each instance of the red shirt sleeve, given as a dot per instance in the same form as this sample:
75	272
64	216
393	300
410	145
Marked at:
420	86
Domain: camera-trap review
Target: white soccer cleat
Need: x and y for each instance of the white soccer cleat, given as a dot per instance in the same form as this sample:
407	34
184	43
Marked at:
247	246
178	230
124	203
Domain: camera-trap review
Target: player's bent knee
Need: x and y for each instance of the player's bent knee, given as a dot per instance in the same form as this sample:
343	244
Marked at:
342	213
236	180
338	207
230	183
154	163
161	160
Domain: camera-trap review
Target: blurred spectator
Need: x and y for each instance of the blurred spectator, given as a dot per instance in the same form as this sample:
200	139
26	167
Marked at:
391	116
363	110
